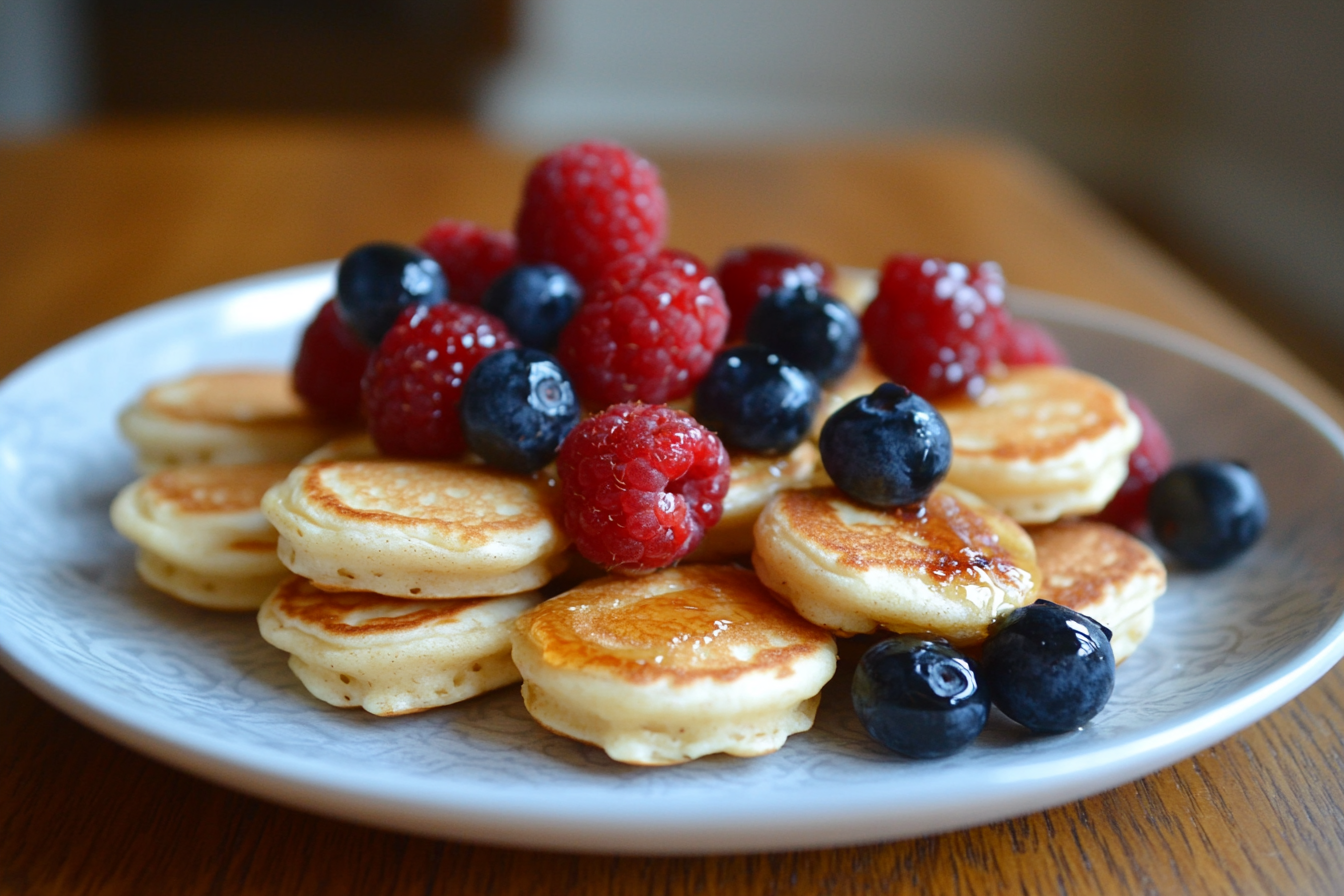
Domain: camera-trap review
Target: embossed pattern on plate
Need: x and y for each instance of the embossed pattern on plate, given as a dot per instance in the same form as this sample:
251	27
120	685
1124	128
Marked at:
202	691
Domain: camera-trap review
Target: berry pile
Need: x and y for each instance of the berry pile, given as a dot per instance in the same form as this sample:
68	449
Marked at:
443	349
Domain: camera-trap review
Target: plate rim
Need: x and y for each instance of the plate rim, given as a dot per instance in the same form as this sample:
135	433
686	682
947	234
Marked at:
845	816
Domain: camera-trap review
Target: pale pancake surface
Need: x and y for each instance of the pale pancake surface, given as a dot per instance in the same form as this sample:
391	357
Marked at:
667	667
222	416
1101	572
203	589
755	479
418	528
1042	442
947	566
389	655
201	532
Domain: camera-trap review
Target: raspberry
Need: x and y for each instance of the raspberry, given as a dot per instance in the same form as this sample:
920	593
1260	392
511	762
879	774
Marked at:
414	380
749	274
329	367
471	256
1031	343
647	333
586	205
640	485
937	327
1129	508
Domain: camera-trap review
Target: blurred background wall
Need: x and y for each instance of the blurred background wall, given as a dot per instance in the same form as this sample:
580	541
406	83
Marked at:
1216	125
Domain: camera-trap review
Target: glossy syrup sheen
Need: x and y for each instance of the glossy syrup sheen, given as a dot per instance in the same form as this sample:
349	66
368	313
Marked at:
684	623
957	543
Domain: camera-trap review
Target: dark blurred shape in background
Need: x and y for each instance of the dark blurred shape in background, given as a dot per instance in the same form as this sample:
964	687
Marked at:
308	56
1216	125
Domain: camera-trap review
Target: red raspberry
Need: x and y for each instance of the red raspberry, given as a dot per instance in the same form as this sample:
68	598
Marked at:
640	485
749	274
586	205
414	381
937	327
1031	343
648	332
471	256
330	365
1129	508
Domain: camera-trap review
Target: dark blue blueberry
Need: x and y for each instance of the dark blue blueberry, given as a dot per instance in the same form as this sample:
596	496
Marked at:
755	401
535	301
1208	512
919	698
517	407
809	329
888	448
1048	667
377	280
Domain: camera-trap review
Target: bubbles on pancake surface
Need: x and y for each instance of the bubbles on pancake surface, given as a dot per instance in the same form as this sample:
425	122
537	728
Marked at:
888	448
919	698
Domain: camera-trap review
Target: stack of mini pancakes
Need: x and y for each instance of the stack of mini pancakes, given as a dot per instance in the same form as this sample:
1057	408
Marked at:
210	446
399	585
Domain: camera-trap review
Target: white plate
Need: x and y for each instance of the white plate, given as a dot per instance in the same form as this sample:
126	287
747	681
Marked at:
202	692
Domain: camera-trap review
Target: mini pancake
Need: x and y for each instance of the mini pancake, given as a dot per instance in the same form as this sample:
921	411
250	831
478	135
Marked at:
201	532
1042	442
389	655
862	379
671	666
1101	572
945	567
223	417
756	478
417	529
209	590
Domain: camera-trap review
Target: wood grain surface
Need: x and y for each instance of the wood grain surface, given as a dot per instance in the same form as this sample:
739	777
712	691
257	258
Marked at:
98	222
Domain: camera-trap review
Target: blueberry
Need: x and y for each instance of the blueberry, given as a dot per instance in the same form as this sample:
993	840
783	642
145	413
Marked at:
809	329
535	301
1049	668
920	698
755	401
517	407
887	448
1208	512
377	280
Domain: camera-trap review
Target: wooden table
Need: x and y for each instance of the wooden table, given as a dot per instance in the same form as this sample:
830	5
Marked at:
99	222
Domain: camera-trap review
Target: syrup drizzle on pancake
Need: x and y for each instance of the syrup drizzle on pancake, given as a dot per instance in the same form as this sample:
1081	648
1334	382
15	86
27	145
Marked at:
692	622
